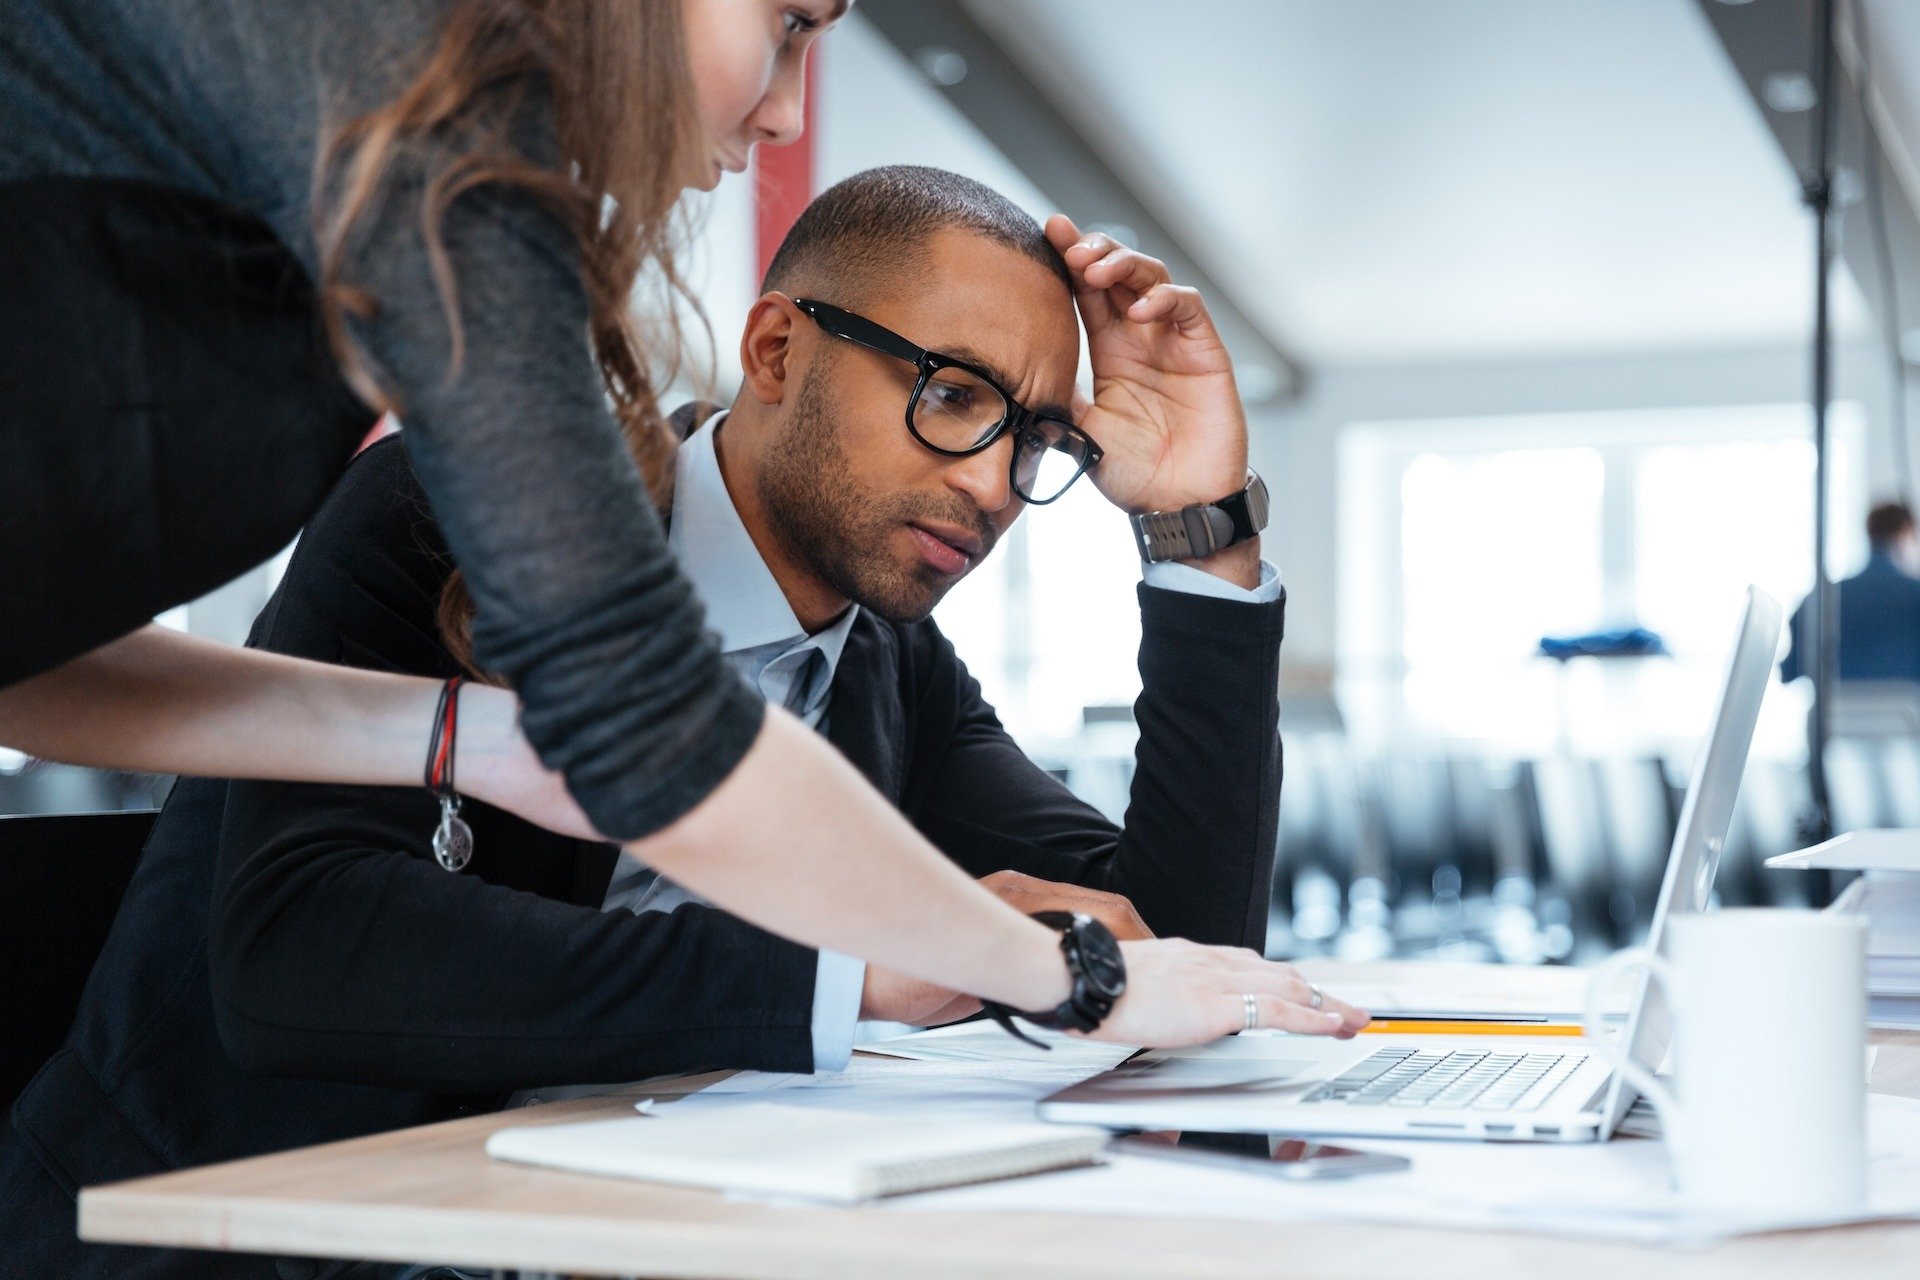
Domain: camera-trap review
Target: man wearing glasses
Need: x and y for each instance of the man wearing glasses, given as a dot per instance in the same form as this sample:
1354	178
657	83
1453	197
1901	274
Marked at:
908	390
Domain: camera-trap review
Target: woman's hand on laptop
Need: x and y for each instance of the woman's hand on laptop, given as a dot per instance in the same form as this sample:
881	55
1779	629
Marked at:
1182	993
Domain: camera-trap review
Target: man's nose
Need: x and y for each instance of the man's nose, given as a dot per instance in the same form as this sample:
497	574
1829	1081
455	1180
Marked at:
983	476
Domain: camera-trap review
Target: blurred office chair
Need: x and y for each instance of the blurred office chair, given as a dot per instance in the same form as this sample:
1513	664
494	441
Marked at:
1875	709
1639	812
61	880
1874	733
1773	797
1573	839
1323	832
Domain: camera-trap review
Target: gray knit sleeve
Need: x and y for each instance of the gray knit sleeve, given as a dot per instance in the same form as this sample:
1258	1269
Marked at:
580	604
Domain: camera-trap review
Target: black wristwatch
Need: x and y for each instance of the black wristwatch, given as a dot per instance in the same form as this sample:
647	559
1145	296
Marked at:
1099	975
1192	533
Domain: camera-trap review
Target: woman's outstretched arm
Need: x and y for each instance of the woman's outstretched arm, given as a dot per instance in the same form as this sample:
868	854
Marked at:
158	701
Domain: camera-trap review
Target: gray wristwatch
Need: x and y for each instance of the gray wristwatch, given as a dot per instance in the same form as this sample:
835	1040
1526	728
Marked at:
1193	532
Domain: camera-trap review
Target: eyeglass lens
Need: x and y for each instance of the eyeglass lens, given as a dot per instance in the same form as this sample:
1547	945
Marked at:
956	410
1046	460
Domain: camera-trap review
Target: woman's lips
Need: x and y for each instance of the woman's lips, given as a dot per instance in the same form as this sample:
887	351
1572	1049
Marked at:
942	555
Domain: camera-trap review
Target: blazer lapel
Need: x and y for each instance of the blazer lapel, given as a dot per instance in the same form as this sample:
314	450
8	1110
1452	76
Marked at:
866	720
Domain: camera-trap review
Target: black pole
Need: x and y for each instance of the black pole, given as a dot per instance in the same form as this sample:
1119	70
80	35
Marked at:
1824	633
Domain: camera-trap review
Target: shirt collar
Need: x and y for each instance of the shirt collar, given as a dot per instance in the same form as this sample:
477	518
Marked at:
744	601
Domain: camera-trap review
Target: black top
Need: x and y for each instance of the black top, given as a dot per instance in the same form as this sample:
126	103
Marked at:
291	966
203	118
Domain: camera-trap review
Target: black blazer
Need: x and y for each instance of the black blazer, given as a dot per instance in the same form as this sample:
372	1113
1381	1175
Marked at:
291	966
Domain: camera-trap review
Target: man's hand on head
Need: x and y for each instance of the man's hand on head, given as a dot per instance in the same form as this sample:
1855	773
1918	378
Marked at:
1165	409
893	997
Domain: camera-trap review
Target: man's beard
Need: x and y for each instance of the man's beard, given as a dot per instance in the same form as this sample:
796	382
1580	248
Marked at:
843	532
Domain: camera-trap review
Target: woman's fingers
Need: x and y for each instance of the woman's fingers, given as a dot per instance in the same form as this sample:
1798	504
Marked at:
1281	985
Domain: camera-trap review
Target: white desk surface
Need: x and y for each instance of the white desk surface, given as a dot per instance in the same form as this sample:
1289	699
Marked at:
431	1194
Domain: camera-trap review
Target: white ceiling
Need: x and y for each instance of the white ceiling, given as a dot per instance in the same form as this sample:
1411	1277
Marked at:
1413	180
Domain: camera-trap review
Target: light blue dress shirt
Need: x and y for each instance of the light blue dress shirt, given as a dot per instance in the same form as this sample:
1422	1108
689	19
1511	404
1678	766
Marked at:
766	644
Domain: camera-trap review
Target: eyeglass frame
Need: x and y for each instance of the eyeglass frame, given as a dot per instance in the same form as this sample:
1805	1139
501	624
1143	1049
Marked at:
840	323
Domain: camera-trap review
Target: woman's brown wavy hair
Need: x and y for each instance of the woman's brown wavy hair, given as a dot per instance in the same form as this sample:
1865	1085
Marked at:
616	74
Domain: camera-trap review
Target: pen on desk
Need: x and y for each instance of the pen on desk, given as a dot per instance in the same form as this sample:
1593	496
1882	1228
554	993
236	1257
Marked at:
1464	1027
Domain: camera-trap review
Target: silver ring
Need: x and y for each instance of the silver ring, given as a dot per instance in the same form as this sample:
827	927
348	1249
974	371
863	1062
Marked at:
1319	996
1252	1006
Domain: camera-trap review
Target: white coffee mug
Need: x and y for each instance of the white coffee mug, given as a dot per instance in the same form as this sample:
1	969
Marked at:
1767	1115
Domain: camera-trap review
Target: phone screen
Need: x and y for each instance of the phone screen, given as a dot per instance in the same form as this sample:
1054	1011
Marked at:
1272	1152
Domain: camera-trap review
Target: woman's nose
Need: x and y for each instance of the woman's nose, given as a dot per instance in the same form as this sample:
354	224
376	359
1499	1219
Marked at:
781	116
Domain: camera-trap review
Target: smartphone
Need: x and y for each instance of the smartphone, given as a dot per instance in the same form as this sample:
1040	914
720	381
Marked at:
1270	1153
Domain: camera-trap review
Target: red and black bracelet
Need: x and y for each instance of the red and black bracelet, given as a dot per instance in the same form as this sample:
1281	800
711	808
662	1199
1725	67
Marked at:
453	838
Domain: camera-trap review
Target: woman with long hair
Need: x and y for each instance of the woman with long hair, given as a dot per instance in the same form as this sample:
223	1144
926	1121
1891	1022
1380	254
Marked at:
231	235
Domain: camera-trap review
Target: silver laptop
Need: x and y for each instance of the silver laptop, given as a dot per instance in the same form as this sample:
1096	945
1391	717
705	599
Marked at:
1519	1088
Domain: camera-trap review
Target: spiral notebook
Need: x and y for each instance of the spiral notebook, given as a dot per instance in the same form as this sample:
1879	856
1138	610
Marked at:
763	1149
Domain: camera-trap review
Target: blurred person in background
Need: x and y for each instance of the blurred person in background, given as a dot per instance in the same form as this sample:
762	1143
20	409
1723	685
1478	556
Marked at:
1879	607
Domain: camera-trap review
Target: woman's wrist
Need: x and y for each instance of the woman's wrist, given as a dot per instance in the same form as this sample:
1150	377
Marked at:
1044	982
486	736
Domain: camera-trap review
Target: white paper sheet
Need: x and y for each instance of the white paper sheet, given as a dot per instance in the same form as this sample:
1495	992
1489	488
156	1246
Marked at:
1616	1190
1000	1088
978	1042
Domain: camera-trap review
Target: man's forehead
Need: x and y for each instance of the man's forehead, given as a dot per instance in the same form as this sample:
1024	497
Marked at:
977	300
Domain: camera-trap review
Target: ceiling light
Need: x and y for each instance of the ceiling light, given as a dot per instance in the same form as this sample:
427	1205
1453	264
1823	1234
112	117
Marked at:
942	66
1788	92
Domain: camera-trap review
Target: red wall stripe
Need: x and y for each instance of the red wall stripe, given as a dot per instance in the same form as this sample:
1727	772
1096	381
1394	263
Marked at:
783	178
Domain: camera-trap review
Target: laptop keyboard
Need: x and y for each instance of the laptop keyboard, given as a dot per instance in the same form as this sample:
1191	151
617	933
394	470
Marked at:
1464	1080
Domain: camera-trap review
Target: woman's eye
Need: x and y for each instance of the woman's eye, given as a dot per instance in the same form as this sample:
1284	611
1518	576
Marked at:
799	22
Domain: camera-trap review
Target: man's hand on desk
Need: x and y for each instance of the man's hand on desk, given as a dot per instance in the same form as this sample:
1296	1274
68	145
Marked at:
893	997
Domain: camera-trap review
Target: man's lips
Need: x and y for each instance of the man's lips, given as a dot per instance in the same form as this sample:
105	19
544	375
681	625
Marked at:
947	549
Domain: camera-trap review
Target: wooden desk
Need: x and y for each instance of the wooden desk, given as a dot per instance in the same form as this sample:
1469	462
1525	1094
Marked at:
431	1195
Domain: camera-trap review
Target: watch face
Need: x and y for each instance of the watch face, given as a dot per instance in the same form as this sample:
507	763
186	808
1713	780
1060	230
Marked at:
1100	959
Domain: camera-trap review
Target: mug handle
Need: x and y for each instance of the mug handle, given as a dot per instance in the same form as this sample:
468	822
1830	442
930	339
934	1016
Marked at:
1609	972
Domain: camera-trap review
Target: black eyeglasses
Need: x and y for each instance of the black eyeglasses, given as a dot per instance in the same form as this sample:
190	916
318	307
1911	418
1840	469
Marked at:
958	410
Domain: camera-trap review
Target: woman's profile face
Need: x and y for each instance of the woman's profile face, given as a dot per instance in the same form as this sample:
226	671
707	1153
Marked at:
748	59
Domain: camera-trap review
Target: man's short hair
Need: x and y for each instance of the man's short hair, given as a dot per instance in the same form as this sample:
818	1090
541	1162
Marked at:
1888	521
865	234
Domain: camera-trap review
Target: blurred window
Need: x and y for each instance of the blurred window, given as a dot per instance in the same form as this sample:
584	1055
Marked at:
1049	624
1492	533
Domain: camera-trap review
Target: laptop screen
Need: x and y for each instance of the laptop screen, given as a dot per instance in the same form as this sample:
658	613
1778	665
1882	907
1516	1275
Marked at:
1702	833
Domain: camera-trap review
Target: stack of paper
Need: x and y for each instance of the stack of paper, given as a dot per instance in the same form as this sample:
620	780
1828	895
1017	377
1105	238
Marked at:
1891	902
1888	895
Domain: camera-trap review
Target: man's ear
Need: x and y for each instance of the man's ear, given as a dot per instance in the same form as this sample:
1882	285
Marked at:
766	348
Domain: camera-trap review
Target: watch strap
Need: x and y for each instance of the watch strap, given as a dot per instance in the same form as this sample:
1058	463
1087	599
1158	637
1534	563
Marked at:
1195	532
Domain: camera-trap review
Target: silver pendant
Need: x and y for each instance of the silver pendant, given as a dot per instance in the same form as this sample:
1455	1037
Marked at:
453	838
